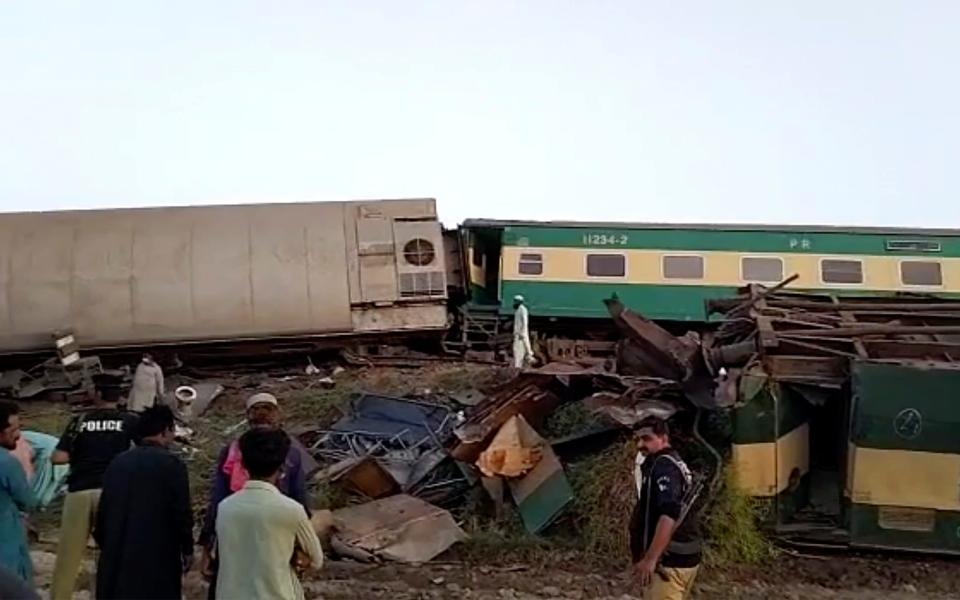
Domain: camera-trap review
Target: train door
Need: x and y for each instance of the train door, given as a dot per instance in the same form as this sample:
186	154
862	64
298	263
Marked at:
376	256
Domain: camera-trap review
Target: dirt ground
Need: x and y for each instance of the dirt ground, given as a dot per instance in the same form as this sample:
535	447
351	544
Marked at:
561	574
791	578
855	579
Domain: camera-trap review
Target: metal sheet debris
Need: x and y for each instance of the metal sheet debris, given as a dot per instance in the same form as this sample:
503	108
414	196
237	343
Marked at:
543	493
628	411
73	379
531	394
593	438
514	451
385	445
406	421
399	528
367	477
648	349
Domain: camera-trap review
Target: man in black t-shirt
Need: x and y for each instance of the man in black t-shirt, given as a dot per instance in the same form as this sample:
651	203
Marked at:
664	535
89	443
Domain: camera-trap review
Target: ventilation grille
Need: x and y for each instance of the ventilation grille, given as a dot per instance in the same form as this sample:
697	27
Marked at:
427	283
913	246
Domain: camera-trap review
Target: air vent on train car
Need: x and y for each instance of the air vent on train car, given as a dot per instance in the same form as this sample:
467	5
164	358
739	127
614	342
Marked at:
913	246
425	283
420	262
419	252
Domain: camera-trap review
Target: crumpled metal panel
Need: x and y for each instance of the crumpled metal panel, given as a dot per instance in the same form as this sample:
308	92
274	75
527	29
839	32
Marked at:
399	528
649	349
533	395
406	420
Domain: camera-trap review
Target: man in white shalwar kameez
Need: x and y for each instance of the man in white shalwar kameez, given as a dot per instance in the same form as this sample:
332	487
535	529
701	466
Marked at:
522	351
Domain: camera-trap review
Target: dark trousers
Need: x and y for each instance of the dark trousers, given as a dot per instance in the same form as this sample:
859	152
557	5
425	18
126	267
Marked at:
212	590
638	545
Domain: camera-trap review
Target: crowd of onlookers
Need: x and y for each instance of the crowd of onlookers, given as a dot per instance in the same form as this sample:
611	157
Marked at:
127	490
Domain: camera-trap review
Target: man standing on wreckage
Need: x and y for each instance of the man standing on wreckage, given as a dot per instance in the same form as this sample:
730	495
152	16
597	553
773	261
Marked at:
664	533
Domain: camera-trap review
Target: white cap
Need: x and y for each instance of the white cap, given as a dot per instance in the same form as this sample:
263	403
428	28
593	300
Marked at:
261	398
518	298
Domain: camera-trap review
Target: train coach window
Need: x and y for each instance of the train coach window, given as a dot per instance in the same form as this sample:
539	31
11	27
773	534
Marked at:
761	268
916	272
841	271
606	265
419	252
477	254
531	264
683	267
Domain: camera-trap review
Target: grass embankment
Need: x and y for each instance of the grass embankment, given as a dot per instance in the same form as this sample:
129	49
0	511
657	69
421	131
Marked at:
594	526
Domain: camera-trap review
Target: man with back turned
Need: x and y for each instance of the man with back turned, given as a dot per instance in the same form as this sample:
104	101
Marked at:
145	521
89	444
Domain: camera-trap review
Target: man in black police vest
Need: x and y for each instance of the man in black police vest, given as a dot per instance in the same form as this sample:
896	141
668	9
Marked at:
664	536
89	443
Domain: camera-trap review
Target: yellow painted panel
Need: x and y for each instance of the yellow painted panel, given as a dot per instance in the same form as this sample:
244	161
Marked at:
755	468
793	453
478	275
906	478
720	268
851	470
764	469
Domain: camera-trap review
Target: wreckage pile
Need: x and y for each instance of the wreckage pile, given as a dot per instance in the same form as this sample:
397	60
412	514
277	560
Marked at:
420	456
811	339
399	452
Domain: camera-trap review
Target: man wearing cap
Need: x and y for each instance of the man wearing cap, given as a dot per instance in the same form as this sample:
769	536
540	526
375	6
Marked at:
522	351
89	443
263	412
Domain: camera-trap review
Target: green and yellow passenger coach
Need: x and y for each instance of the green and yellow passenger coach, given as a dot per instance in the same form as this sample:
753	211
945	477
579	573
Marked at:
875	463
667	272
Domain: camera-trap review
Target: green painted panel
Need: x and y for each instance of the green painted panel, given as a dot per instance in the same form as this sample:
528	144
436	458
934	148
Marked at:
760	419
543	504
756	420
794	410
658	302
906	407
865	531
736	241
482	295
583	300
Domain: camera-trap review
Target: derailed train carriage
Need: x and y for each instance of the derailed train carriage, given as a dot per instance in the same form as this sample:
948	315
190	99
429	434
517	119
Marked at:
883	447
844	424
866	455
667	272
152	276
873	464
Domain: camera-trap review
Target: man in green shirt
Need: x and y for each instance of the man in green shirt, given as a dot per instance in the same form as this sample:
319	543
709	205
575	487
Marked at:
259	530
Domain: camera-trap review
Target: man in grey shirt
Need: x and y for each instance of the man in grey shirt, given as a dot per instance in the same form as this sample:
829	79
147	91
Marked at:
147	387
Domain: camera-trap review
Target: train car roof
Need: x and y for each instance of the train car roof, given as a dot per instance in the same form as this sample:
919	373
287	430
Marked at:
233	205
757	227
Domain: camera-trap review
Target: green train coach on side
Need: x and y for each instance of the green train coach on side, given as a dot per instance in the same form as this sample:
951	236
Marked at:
668	271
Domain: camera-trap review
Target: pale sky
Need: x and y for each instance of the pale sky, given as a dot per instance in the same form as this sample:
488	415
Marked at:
714	111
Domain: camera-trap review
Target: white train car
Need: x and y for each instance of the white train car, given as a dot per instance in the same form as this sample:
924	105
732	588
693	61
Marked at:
150	276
